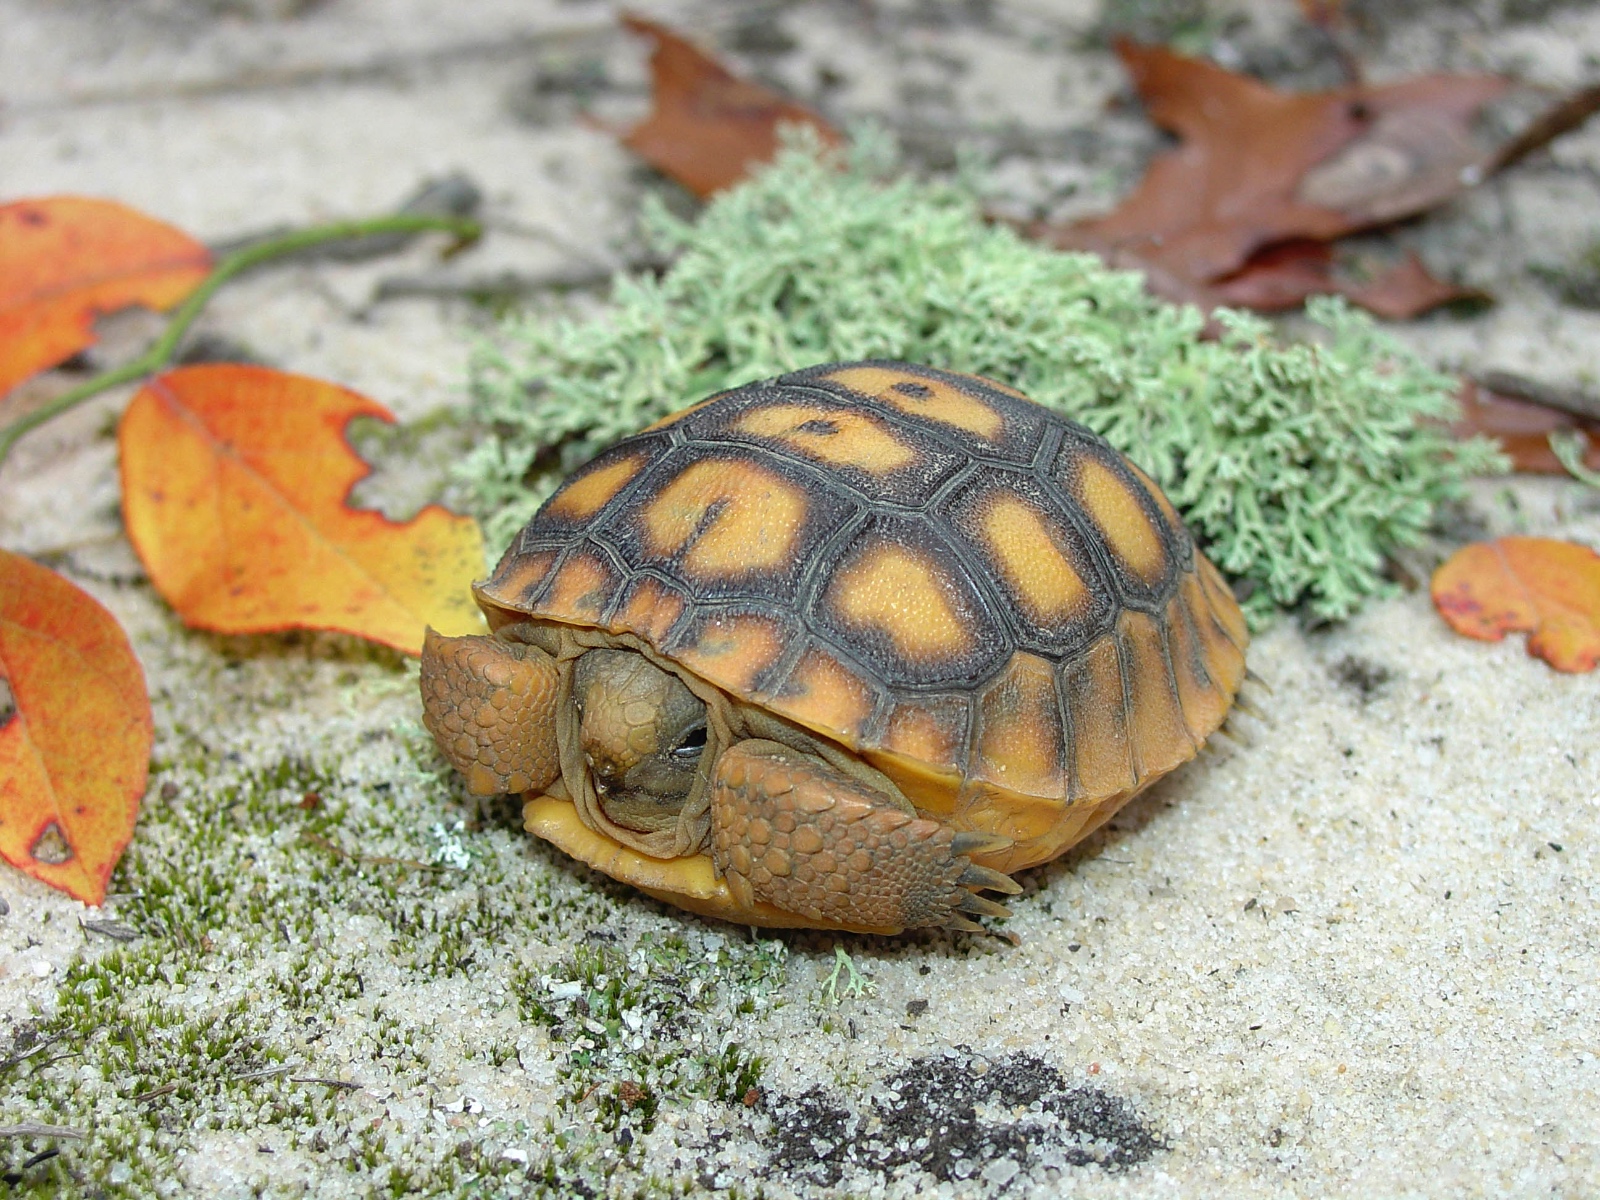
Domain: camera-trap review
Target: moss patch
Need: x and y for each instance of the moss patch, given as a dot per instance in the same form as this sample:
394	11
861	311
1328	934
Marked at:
1299	466
655	1020
321	987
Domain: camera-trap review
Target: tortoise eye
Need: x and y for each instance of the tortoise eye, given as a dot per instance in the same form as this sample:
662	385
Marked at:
692	744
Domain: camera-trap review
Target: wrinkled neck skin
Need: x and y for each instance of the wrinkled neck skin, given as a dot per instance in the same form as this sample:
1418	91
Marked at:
643	735
629	726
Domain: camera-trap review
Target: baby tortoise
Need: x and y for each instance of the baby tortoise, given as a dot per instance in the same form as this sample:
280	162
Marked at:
839	649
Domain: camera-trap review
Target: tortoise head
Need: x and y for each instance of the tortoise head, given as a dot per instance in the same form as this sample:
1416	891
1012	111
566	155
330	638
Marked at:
612	770
643	735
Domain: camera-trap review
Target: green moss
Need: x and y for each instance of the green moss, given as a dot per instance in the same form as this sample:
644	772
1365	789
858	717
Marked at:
269	894
1300	467
655	1023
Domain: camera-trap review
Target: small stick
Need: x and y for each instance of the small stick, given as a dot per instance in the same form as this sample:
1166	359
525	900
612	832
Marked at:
1519	387
161	352
1561	117
339	851
33	1129
268	1073
23	1056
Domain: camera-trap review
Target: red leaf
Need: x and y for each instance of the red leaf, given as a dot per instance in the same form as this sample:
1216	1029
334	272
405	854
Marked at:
75	732
1282	276
67	259
708	126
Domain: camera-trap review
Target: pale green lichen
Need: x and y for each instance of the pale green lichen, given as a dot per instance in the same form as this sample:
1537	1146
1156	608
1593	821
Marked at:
1299	466
855	984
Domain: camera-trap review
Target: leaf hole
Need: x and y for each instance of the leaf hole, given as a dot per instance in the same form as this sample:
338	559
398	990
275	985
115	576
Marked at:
51	846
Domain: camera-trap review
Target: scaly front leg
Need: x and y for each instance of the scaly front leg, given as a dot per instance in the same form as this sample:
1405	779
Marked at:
490	703
789	829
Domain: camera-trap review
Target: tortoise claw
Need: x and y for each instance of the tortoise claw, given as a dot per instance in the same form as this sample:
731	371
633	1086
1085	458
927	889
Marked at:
1247	708
982	877
962	925
1233	733
982	906
971	842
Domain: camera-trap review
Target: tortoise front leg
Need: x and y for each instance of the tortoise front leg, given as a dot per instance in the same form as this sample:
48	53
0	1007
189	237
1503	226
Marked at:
791	830
490	703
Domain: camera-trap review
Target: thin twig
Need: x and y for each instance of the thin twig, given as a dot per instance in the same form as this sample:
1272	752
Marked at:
165	1089
339	851
261	79
33	1129
267	1073
161	351
1559	118
23	1056
115	930
507	285
333	1083
1519	387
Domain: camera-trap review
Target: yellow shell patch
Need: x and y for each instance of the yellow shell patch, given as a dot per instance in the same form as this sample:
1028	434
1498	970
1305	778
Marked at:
587	494
734	516
922	396
1122	520
906	597
835	436
1048	587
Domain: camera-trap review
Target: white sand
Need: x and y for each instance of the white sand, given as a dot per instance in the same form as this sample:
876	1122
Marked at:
1359	955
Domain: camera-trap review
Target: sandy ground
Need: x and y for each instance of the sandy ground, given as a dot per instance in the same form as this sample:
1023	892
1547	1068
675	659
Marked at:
1359	954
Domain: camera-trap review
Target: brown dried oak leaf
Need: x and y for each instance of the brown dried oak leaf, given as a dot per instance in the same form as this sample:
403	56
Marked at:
708	127
1256	168
1523	425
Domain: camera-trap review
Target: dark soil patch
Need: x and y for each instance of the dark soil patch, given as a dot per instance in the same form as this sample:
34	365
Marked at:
955	1119
1362	676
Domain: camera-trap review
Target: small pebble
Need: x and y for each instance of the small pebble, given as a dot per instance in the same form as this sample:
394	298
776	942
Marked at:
1000	1172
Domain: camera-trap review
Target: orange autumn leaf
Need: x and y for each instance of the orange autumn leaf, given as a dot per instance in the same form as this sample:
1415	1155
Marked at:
64	260
75	732
708	127
1549	588
234	484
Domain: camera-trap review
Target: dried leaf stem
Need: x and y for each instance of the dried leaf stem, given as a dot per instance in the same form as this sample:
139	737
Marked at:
1571	401
163	348
1565	115
32	1129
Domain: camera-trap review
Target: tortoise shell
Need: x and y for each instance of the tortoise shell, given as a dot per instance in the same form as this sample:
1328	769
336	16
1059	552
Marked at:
982	598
